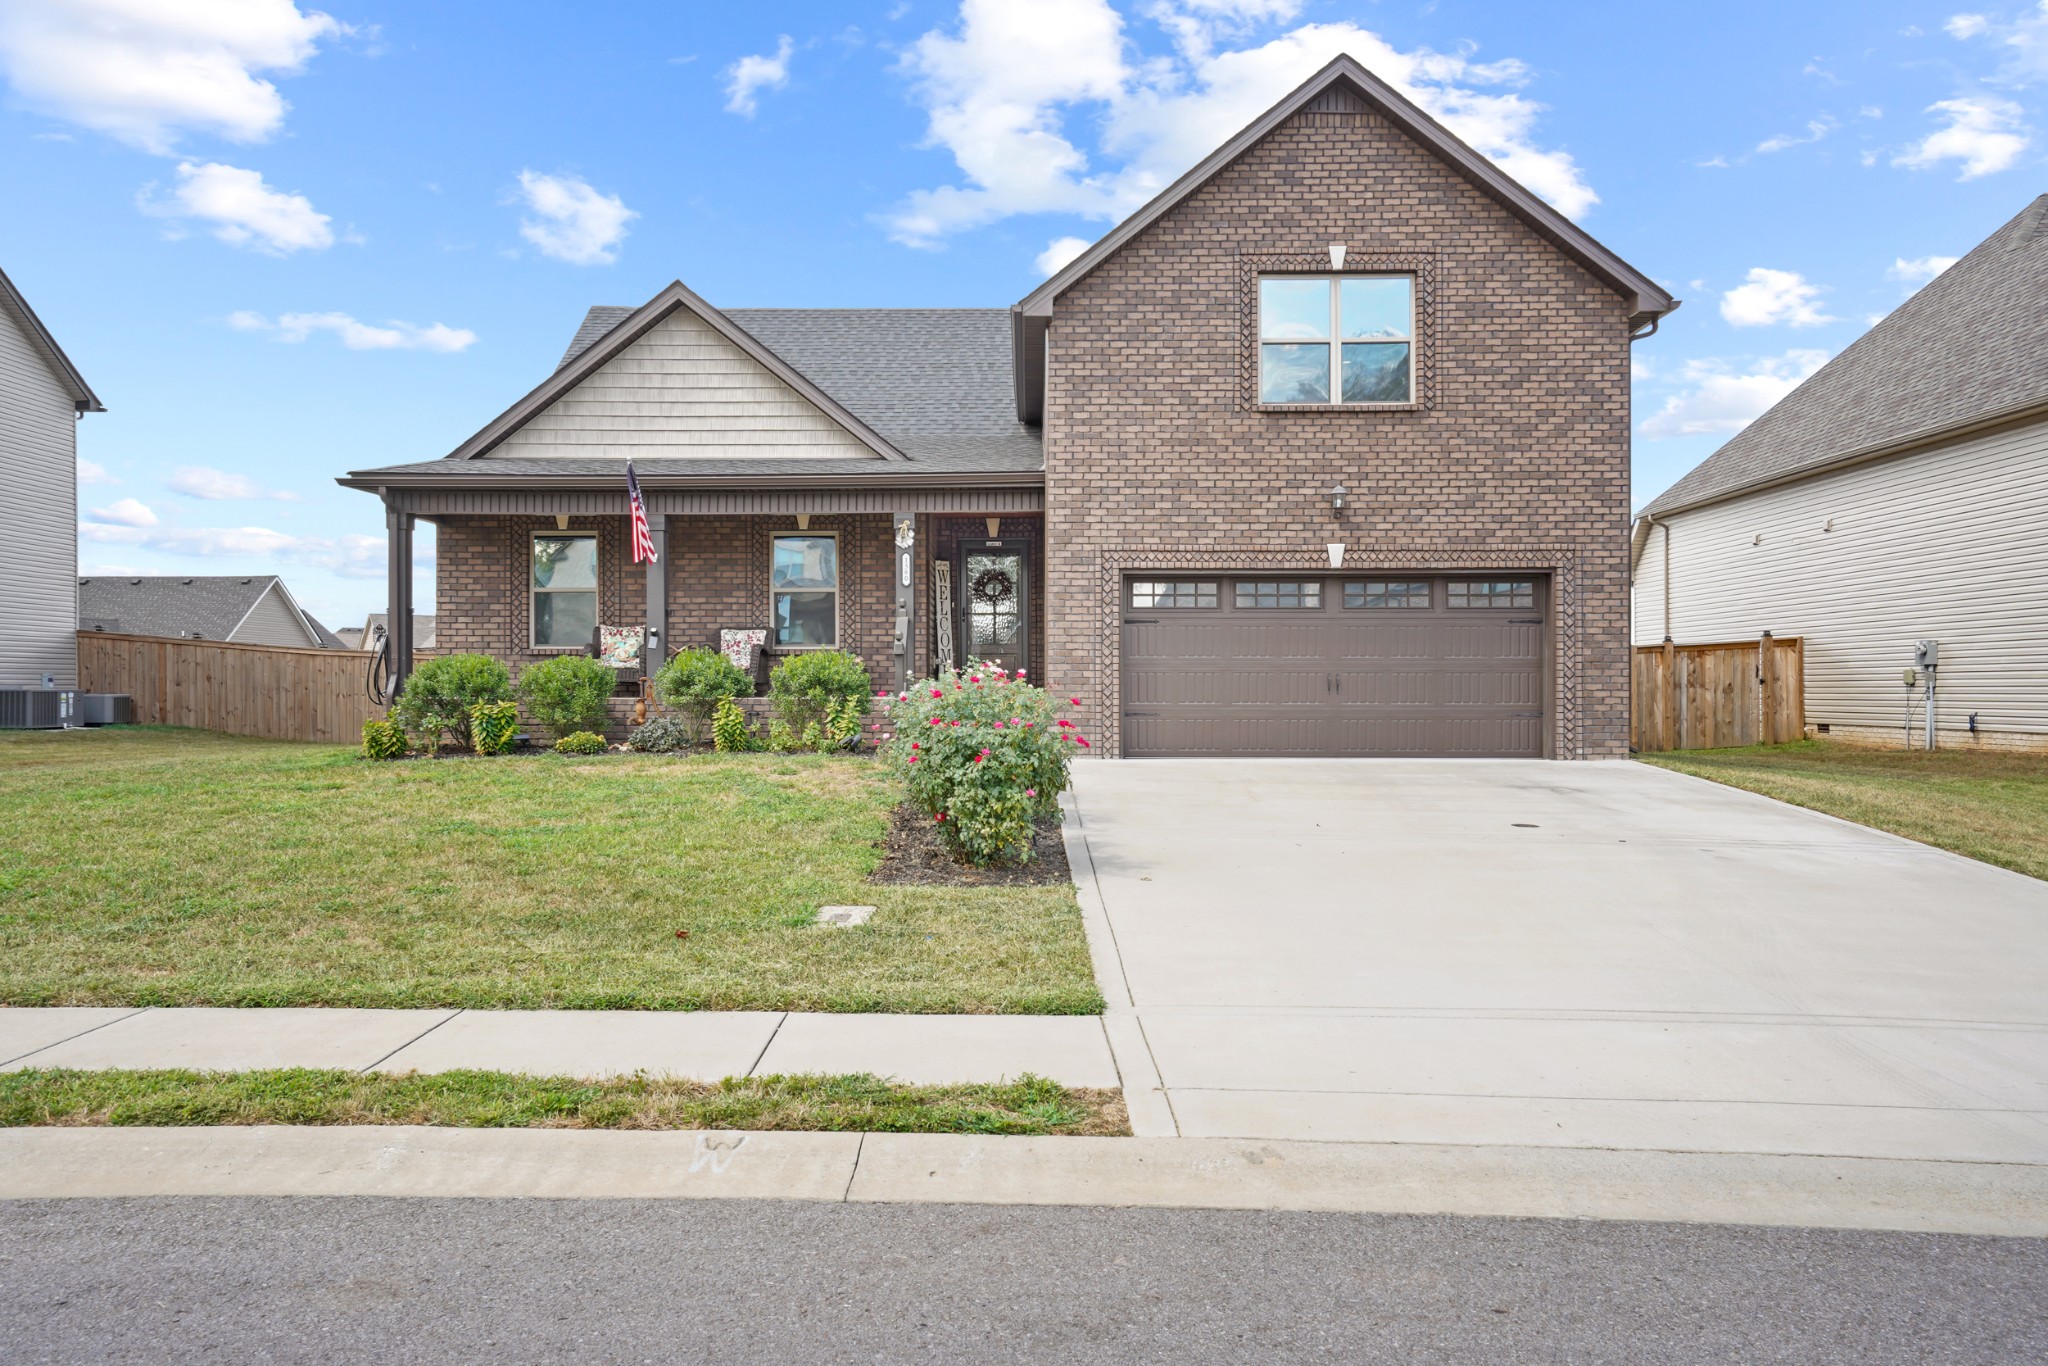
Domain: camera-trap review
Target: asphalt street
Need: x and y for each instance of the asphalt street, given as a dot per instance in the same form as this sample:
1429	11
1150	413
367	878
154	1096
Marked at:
657	1281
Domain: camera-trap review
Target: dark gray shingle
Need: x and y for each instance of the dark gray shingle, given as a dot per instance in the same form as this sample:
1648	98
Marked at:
203	608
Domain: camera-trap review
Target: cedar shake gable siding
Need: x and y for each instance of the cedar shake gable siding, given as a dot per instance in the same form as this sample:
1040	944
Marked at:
1514	457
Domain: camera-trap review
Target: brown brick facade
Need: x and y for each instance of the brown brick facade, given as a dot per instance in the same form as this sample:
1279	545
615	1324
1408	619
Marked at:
1514	457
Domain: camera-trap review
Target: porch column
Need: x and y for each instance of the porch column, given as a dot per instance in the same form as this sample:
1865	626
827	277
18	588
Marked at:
398	594
906	597
656	653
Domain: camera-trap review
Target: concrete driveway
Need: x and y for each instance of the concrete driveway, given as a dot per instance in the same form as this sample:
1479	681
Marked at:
1585	955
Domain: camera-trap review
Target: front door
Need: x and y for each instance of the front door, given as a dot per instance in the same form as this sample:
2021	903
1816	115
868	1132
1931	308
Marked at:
994	585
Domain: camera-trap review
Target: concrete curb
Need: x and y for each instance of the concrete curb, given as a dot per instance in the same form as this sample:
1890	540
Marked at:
399	1162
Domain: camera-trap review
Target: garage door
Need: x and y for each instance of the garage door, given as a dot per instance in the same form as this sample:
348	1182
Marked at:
1337	665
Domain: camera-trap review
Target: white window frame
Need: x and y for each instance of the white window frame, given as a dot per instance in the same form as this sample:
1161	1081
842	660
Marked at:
533	589
838	581
1334	338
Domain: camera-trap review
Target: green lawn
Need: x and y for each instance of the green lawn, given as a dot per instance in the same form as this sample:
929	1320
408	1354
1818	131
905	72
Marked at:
1985	804
498	1100
162	867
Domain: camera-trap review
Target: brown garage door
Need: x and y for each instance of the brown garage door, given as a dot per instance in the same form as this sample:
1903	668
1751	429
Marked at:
1337	665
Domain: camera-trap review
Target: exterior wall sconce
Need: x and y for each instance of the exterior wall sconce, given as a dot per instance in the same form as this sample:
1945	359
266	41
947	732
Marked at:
1336	256
1338	495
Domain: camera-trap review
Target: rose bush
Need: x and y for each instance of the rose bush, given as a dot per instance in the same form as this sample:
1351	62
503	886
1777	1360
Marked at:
985	755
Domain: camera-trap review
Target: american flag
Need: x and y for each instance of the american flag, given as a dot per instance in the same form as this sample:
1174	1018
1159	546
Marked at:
643	543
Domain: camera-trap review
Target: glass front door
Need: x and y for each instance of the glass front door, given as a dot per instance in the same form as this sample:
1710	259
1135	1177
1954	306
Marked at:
995	617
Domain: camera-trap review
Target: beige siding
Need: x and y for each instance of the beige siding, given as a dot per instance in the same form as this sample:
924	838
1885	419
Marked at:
682	391
273	622
39	489
1950	544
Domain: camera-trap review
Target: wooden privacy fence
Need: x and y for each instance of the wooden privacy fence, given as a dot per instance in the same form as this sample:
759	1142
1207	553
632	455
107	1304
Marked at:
274	691
1743	692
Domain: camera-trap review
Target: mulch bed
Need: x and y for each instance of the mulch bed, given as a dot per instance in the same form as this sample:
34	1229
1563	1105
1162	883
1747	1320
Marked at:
918	856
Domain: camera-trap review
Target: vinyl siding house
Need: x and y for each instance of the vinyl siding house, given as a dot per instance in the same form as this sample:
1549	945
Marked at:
1323	451
1899	494
42	396
245	609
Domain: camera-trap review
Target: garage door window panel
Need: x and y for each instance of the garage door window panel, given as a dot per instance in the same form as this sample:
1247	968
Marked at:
1468	593
1378	595
1189	595
1281	594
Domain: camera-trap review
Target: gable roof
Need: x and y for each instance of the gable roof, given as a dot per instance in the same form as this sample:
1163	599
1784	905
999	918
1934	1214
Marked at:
203	607
82	397
623	333
1648	300
1969	350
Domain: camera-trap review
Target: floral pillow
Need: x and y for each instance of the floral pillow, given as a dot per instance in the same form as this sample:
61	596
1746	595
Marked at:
619	646
741	646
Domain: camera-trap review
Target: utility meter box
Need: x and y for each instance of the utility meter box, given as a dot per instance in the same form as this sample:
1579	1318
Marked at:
1926	654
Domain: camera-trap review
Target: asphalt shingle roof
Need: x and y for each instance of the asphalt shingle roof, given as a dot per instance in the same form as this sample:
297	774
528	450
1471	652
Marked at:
205	608
1970	345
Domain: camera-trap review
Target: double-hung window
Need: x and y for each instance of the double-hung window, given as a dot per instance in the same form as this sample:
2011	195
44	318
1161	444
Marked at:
564	590
803	585
1336	339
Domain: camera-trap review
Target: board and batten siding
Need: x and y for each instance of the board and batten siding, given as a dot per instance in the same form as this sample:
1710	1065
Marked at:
273	621
682	391
1949	544
39	488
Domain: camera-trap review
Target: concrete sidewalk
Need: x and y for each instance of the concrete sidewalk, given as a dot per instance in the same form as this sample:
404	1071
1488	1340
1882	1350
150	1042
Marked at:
701	1045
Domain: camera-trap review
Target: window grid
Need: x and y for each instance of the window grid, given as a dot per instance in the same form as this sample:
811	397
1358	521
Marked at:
1168	594
1492	593
1375	593
1281	593
561	616
1362	365
787	625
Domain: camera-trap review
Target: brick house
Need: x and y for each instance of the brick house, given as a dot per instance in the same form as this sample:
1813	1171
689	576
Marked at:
1323	451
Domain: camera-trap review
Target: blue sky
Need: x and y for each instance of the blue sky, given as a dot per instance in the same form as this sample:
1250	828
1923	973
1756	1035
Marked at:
284	242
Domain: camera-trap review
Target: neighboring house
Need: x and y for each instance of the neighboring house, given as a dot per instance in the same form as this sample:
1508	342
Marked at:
351	637
42	396
245	609
372	632
1343	332
1899	494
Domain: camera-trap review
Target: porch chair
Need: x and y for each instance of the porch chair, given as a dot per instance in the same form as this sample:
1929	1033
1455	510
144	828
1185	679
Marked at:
748	650
624	649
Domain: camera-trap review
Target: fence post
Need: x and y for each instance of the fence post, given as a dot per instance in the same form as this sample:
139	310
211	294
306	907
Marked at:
1767	691
1670	727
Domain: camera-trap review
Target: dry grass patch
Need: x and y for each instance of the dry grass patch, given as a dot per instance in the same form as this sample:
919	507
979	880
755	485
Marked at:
1984	804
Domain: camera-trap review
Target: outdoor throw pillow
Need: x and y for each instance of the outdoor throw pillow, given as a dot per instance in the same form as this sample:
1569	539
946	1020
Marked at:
619	646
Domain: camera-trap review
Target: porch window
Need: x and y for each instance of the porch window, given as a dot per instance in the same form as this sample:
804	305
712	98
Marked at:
1336	339
564	590
803	583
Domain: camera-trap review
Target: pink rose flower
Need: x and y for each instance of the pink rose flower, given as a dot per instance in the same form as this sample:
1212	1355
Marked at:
998	725
1075	701
914	745
1082	740
1031	792
937	693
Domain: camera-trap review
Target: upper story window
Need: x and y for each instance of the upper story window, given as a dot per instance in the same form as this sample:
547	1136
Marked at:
803	587
1336	338
564	590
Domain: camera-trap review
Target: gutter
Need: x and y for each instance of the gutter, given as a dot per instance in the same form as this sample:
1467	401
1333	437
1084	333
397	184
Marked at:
372	481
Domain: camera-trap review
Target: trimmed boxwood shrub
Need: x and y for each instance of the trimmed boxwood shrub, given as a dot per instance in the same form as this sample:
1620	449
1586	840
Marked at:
695	682
662	735
493	726
383	740
568	693
580	742
439	694
985	755
805	686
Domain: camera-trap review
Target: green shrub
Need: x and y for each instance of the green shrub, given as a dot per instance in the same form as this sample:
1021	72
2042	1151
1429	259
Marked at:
568	693
440	692
804	687
730	733
493	726
663	735
383	740
695	682
985	755
580	742
842	723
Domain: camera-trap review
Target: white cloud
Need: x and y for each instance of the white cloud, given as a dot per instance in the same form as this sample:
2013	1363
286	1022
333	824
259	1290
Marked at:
1816	129
356	336
1001	90
1920	269
749	76
242	209
1722	399
1966	25
91	473
1985	133
575	223
201	481
143	71
1774	296
127	512
1059	252
351	557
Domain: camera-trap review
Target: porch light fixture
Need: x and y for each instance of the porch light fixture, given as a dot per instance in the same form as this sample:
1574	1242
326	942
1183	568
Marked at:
1336	256
1337	497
